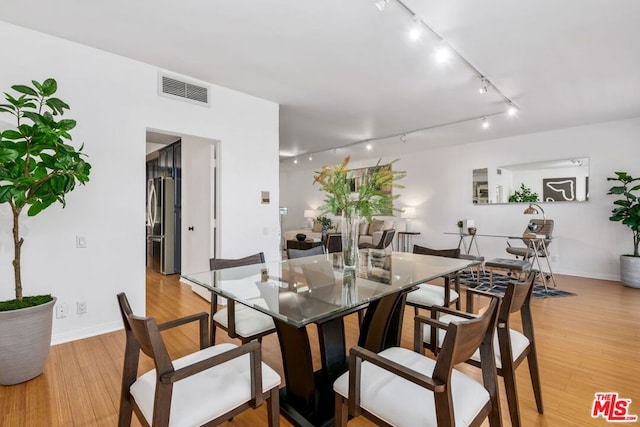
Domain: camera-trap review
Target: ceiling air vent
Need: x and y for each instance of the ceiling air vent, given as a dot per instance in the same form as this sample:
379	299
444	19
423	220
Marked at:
172	87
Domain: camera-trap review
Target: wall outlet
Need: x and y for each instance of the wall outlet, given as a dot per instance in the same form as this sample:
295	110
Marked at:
81	307
62	310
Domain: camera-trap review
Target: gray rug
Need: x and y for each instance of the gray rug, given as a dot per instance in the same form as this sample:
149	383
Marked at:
500	282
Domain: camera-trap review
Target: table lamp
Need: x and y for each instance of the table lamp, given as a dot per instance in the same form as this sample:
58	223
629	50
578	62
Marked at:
408	214
535	209
310	214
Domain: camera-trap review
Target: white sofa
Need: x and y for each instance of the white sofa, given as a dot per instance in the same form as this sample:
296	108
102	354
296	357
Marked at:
369	233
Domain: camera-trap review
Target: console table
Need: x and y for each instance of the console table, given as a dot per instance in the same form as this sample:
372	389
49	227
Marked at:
405	239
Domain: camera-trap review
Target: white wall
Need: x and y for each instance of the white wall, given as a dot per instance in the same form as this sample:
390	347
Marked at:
438	184
114	100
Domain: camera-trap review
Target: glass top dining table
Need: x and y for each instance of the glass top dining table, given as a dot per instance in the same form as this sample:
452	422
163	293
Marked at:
316	288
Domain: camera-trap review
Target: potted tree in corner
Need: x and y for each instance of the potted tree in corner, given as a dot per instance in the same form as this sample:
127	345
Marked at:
37	169
627	211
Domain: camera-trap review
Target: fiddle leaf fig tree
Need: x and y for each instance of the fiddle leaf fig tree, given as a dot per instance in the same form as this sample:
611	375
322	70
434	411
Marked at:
37	165
627	210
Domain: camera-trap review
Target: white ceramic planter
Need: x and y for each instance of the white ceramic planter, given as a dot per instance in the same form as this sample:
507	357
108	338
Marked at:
25	339
630	271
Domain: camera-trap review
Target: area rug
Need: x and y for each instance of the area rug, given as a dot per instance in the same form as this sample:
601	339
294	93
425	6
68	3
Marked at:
500	282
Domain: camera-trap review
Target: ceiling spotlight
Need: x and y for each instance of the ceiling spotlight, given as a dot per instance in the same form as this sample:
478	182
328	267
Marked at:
380	4
484	86
485	123
416	29
512	110
403	138
443	54
295	161
369	146
310	157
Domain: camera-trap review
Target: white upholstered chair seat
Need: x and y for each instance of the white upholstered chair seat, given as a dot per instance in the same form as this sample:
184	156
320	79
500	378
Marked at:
228	386
248	322
519	342
429	295
382	392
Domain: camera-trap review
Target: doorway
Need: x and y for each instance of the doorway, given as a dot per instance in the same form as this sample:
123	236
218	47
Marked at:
195	168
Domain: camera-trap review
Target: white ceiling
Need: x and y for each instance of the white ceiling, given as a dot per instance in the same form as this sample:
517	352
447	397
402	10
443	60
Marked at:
344	72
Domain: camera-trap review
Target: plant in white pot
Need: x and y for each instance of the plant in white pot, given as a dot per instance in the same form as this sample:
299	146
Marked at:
627	211
37	169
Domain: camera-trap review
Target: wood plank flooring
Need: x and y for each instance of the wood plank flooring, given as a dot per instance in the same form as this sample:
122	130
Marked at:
587	344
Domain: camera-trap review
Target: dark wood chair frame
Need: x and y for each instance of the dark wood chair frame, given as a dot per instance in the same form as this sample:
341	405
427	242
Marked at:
460	343
385	240
517	298
448	279
143	334
220	264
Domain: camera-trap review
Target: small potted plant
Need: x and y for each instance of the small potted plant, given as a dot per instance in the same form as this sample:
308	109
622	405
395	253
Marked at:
326	224
460	225
524	195
627	211
37	169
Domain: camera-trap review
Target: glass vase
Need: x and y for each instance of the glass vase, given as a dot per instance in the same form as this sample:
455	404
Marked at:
350	228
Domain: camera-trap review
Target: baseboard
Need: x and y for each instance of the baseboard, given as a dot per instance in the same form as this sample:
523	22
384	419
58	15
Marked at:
86	333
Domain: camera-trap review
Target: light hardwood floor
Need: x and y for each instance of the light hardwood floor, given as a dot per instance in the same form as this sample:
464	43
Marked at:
588	343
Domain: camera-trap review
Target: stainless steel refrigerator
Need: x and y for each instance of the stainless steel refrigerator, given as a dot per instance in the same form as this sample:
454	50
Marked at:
161	224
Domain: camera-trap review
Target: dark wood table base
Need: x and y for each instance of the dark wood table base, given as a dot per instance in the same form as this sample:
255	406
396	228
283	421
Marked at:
308	400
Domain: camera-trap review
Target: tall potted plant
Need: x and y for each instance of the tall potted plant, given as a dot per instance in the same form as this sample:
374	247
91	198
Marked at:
37	169
627	211
373	196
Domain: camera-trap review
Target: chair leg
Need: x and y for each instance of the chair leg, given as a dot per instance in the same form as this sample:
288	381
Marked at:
512	393
342	411
532	361
125	413
273	407
415	310
213	332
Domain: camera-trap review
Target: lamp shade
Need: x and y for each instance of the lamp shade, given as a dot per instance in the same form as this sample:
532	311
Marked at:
408	213
310	213
535	209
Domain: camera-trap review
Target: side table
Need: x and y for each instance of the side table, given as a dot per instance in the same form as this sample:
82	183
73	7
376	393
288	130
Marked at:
405	240
304	245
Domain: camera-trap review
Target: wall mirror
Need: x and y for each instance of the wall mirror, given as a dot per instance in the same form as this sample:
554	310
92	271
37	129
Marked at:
564	180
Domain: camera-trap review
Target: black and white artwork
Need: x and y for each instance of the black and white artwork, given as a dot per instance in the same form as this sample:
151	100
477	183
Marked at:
558	189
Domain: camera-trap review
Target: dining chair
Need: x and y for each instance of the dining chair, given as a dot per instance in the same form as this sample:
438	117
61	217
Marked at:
385	241
207	387
512	347
238	320
333	243
405	388
533	250
429	295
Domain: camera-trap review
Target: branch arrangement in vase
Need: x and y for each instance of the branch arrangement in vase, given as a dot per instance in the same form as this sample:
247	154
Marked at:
373	195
